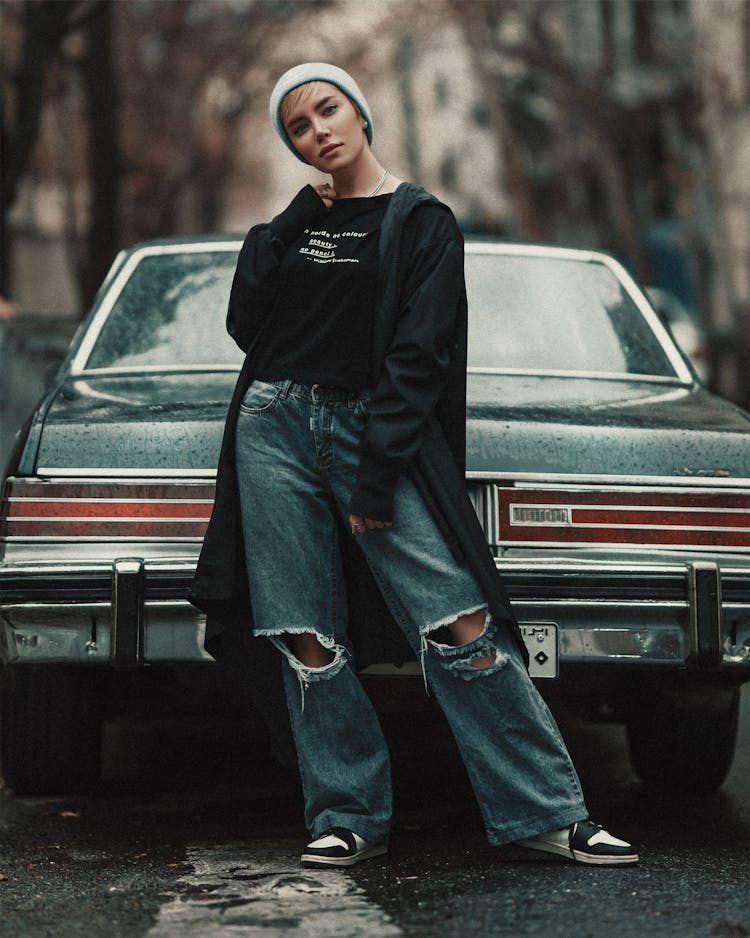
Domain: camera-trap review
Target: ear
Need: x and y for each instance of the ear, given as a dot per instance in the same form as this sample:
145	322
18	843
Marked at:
359	115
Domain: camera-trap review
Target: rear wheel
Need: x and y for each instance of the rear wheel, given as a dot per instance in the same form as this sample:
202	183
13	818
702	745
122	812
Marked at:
50	728
682	738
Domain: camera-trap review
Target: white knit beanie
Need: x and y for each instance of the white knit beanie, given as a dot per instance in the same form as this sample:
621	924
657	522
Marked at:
315	71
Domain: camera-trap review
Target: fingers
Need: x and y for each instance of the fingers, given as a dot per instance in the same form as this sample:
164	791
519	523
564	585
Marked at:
373	525
360	525
327	194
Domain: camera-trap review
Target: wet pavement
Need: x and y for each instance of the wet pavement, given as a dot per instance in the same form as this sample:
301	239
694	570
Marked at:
192	833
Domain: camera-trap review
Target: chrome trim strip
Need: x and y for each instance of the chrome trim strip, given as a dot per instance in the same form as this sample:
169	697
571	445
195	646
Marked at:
593	375
89	538
108	519
549	564
99	500
601	525
80	567
84	478
144	474
583	525
628	545
595	565
507	565
209	367
83	608
604	604
584	565
569	481
205	368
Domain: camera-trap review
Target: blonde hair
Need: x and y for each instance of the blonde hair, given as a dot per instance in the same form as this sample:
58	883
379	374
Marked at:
297	96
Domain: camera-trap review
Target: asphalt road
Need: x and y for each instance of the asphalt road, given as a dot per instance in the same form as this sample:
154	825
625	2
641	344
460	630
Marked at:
191	836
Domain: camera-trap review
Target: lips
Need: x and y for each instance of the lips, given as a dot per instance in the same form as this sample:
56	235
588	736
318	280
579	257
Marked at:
326	151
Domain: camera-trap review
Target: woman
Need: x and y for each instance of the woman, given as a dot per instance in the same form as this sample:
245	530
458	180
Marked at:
347	428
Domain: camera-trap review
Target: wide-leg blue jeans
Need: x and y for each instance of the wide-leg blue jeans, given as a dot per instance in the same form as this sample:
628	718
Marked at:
297	457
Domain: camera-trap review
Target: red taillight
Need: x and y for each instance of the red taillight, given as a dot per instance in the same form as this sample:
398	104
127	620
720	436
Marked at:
618	516
158	510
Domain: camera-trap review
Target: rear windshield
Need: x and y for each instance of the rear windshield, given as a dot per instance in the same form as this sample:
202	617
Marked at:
170	312
548	314
527	313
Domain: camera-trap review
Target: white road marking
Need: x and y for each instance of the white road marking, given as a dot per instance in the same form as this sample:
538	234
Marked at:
258	888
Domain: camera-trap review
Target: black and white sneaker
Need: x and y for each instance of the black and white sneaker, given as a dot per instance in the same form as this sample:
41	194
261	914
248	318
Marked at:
340	847
584	842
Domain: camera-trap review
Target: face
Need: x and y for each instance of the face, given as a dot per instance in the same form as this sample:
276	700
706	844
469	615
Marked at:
324	126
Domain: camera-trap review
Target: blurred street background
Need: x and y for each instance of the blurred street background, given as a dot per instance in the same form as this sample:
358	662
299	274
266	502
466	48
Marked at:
614	124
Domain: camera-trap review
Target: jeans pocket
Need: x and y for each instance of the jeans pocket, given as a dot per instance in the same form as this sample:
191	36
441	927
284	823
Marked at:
261	397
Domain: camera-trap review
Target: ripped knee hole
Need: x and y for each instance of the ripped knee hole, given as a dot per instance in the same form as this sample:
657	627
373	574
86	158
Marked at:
309	651
469	655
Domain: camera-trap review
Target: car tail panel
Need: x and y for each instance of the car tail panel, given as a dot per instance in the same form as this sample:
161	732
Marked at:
34	509
622	516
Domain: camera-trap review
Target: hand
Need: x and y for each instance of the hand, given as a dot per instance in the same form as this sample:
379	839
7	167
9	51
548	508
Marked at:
327	194
361	525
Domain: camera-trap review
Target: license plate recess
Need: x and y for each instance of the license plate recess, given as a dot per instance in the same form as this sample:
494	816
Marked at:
542	643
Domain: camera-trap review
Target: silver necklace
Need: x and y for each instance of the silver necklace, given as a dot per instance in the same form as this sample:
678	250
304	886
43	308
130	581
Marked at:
379	186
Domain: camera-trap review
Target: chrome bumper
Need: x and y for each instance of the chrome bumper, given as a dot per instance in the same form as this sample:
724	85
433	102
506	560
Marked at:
127	613
693	614
133	612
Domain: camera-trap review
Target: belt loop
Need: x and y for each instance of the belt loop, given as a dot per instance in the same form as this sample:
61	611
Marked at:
286	388
312	406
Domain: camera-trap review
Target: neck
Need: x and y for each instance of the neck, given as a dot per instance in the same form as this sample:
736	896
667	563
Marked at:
359	179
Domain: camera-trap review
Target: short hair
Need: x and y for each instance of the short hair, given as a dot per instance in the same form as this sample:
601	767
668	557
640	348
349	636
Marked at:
297	96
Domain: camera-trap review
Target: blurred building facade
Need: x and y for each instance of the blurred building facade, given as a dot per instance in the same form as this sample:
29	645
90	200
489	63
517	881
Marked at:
603	123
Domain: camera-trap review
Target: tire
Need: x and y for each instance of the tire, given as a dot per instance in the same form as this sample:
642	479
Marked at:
682	738
50	728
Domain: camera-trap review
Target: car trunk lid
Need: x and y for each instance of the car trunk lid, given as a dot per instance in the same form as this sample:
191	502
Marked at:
596	427
132	423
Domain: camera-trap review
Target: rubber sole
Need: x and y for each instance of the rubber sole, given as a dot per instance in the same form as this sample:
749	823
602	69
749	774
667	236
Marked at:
377	850
577	856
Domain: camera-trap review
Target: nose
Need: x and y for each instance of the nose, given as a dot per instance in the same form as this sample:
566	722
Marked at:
320	128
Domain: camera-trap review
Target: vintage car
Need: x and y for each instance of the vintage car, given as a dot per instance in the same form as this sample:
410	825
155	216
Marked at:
613	488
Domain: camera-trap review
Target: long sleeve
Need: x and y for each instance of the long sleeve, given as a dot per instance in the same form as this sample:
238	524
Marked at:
256	279
417	360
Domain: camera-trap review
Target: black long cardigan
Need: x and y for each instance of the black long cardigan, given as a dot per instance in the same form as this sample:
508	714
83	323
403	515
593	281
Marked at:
417	421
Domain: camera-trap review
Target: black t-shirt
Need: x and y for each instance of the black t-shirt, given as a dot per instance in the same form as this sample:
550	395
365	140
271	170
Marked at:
321	326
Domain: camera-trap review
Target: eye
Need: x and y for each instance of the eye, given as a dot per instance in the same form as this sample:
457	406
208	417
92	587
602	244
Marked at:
329	109
299	129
